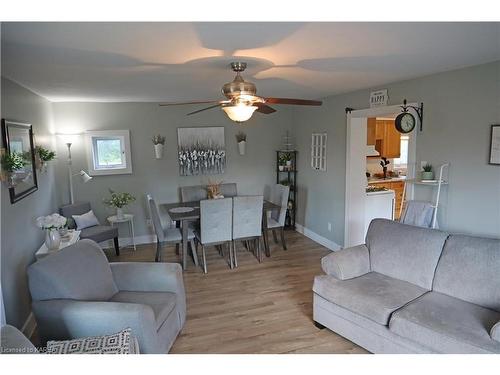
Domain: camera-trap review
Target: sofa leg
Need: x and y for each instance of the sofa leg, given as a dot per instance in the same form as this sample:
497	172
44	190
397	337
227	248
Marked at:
117	247
318	325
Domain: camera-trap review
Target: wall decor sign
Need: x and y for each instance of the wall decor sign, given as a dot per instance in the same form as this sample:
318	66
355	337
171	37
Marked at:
379	98
20	165
201	150
495	145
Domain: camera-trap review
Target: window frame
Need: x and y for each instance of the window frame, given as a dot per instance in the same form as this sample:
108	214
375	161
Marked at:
318	151
91	142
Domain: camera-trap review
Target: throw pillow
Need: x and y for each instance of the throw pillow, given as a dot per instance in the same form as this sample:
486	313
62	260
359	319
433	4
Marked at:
86	220
118	343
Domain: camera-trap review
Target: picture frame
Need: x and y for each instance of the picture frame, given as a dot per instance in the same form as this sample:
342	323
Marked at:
18	137
494	158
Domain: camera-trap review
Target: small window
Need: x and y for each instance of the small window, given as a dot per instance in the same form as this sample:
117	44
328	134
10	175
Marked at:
402	161
318	151
108	152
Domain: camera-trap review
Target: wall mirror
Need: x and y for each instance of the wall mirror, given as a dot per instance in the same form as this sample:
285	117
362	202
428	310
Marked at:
18	140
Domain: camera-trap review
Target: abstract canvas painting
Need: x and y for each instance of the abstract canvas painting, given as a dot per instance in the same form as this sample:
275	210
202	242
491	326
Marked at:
201	150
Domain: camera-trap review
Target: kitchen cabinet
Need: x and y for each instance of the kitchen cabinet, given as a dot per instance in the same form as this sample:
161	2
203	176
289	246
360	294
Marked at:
385	137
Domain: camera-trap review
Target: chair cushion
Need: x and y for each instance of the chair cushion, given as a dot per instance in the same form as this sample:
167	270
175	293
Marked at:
77	208
404	252
162	303
271	223
175	234
447	324
99	233
372	295
80	272
469	269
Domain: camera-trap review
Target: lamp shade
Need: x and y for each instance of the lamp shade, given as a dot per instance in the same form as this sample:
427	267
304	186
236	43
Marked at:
239	112
84	176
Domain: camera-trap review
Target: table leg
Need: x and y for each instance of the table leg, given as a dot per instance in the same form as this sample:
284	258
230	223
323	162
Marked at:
184	226
133	233
264	229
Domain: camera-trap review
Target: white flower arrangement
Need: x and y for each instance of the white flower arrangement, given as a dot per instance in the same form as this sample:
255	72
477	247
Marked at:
54	221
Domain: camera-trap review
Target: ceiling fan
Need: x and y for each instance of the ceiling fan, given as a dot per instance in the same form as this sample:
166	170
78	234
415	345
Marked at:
242	100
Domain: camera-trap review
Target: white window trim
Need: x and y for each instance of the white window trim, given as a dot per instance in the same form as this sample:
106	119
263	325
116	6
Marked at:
318	151
125	135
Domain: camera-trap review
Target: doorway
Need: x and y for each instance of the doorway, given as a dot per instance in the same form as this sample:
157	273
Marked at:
355	188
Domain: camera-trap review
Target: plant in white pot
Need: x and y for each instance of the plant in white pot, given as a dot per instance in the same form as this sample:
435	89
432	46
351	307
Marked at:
119	201
241	139
42	157
427	173
51	224
158	142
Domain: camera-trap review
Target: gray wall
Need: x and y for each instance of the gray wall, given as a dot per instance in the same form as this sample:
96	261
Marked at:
161	177
20	237
459	106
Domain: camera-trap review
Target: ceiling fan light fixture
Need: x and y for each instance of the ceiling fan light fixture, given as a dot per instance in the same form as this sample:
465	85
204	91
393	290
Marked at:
240	112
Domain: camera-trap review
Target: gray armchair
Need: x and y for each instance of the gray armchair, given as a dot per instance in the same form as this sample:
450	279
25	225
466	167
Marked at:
77	293
97	233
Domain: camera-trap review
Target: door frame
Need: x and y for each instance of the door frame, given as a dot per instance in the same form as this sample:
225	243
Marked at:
352	175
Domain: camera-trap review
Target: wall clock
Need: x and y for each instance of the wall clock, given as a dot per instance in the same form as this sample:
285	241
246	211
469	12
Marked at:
405	122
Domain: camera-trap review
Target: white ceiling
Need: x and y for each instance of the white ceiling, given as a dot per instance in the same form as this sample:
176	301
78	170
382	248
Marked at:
183	61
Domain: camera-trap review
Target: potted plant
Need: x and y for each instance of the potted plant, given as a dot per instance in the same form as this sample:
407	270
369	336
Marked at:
241	139
12	162
51	224
384	163
42	157
158	142
119	201
427	173
285	160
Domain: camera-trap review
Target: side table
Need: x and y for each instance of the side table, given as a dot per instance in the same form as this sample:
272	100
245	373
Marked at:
74	235
127	218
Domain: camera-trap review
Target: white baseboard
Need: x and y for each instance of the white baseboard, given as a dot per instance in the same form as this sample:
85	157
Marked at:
317	238
29	326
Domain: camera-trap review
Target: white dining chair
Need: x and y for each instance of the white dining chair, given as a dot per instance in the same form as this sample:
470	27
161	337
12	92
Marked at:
247	223
216	223
193	193
229	190
277	194
166	235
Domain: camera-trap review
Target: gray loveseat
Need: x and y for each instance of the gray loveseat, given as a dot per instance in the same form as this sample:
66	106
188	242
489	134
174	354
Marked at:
77	293
413	290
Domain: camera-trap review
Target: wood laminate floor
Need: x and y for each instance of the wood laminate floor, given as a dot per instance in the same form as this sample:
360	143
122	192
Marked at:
255	308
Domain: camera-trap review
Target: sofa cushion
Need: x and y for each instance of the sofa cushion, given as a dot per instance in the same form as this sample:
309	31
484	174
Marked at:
372	295
404	252
80	272
447	324
469	269
162	303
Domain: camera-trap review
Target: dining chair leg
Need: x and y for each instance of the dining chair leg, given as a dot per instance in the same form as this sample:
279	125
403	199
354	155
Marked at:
158	251
275	238
231	264
204	258
235	257
282	233
259	251
266	243
194	252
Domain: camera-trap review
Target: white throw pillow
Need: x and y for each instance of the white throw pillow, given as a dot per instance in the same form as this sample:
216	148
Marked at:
86	220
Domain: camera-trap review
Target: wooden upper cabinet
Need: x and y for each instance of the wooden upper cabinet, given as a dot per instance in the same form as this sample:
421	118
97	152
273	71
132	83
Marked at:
384	136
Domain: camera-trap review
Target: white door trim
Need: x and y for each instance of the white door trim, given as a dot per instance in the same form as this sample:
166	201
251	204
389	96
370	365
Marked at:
412	152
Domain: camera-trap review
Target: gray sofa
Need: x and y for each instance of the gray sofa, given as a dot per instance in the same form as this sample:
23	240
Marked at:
413	290
77	293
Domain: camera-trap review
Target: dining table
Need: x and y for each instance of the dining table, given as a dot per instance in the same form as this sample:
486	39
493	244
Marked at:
184	212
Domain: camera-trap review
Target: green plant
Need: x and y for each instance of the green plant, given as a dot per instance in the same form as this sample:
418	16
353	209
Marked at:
13	161
427	168
241	137
158	140
284	157
119	200
44	154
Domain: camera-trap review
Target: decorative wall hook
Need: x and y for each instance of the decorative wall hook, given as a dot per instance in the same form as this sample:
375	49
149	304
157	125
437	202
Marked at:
419	110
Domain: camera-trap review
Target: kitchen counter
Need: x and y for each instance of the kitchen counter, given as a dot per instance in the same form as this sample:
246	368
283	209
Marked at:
382	180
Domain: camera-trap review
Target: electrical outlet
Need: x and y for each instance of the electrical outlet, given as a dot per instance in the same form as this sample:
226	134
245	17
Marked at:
329	227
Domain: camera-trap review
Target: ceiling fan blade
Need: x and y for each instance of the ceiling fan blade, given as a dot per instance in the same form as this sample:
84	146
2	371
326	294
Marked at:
193	102
292	101
204	109
263	108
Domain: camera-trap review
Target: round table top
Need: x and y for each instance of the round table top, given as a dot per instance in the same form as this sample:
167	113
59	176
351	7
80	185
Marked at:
115	219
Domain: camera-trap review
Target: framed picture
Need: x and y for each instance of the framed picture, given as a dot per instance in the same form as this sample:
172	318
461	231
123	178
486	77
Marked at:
201	150
495	145
18	140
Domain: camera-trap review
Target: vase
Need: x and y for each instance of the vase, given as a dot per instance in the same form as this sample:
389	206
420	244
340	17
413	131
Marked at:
427	175
158	151
52	239
119	213
241	147
281	168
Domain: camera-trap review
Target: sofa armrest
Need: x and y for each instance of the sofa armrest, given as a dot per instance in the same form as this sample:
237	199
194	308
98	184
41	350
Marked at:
151	277
347	263
64	319
495	332
14	342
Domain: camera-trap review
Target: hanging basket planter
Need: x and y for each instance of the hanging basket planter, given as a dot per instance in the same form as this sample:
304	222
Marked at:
159	151
242	147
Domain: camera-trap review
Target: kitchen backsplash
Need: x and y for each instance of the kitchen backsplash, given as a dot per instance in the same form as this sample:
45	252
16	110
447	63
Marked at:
373	165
